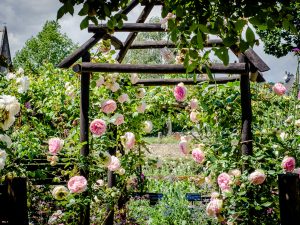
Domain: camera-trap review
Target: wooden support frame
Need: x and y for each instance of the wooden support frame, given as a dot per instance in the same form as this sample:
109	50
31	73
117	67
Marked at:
128	27
231	68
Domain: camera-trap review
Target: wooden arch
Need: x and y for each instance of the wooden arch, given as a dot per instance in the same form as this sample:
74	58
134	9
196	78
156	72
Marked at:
249	62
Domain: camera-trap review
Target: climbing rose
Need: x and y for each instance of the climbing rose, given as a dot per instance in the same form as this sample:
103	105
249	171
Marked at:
100	182
194	116
77	184
164	21
141	93
114	164
134	78
235	173
180	92
214	195
98	127
198	155
279	89
257	177
100	81
60	192
128	140
194	104
297	123
148	126
288	164
55	145
224	181
214	207
118	119
114	87
23	84
299	95
184	146
6	139
141	108
123	98
108	106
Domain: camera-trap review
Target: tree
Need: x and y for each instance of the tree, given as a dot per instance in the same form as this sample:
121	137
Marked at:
49	46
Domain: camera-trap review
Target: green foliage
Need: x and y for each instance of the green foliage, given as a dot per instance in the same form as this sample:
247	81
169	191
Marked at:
49	46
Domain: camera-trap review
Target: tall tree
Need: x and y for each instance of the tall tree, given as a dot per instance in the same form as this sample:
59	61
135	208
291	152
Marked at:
50	46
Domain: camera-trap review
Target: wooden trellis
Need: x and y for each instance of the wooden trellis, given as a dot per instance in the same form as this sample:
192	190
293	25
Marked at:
249	63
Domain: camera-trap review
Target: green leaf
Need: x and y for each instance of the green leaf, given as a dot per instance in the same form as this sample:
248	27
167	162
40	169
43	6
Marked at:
250	36
106	10
229	41
110	24
84	23
69	8
84	11
243	46
222	54
203	28
209	73
200	40
94	20
179	11
61	12
267	204
191	67
239	25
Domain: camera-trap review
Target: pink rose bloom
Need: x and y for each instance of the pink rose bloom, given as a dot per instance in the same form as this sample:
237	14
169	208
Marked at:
184	146
128	140
98	127
214	195
108	106
100	81
114	164
180	92
114	87
279	89
194	104
134	78
288	164
299	95
77	184
214	207
141	108
118	119
257	177
55	145
198	155
194	117
224	181
123	98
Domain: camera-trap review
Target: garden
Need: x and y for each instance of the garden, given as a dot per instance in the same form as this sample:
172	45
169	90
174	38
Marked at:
163	128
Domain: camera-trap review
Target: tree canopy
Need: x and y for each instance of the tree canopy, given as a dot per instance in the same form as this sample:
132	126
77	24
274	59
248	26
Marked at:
50	46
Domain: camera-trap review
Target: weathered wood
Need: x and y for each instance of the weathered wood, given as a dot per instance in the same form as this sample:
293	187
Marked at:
145	13
17	201
84	131
155	2
234	68
167	82
256	60
114	41
246	139
128	27
289	198
169	44
78	53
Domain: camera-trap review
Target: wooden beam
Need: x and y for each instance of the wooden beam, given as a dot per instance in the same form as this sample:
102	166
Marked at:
128	27
78	53
256	60
114	41
234	68
169	44
145	13
155	2
169	82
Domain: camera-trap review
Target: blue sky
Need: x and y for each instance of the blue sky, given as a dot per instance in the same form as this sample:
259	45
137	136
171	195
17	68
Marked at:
25	19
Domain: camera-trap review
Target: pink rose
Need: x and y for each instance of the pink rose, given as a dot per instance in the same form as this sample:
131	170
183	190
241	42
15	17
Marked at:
123	98
98	127
114	164
128	140
214	195
184	146
114	87
279	89
77	184
194	117
257	177
108	106
198	155
194	104
141	108
100	81
55	145
214	207
288	164
224	181
118	119
299	95
180	92
134	78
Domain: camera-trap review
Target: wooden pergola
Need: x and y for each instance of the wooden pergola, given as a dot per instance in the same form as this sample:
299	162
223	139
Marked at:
249	63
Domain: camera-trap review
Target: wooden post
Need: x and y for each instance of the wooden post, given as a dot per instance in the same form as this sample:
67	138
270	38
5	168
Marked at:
246	139
289	198
17	201
84	132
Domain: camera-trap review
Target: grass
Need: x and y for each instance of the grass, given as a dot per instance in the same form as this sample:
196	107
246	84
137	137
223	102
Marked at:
163	140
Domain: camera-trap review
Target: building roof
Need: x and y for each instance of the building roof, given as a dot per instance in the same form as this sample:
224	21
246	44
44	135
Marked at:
4	45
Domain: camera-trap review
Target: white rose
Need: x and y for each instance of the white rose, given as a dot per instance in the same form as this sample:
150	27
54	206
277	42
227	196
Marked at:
20	71
23	84
297	123
141	93
6	139
134	78
2	164
148	126
10	76
3	154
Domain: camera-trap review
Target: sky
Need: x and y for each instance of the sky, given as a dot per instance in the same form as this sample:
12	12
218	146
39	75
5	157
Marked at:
25	18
